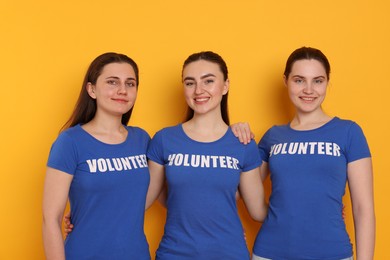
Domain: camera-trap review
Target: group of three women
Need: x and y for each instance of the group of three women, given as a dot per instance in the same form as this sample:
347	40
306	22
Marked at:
103	166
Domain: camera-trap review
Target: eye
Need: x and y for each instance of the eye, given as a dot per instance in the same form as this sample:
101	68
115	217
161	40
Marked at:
298	80
111	82
209	81
189	83
319	81
130	84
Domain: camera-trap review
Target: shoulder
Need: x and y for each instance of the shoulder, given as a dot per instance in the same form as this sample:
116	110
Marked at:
278	129
230	139
137	131
346	124
71	133
340	121
169	130
68	141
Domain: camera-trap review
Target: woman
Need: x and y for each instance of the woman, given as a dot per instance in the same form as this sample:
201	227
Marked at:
204	165
98	161
310	161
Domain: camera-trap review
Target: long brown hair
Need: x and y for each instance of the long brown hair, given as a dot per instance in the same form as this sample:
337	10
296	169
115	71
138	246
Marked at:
85	108
217	59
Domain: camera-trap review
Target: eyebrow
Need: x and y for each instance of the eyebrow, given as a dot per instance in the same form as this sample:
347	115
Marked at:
299	76
114	77
202	77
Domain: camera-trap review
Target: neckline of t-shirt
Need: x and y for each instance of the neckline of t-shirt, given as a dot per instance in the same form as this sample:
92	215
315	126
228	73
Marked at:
101	142
199	142
314	129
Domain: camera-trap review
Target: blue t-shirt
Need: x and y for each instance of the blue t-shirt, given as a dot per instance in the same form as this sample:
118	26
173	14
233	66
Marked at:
202	219
308	171
107	194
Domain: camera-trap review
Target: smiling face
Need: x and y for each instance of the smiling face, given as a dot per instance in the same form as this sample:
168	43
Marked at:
204	86
307	83
115	90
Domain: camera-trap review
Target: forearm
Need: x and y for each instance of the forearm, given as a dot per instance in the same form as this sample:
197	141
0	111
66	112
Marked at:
55	196
52	240
157	179
360	182
252	192
365	235
154	191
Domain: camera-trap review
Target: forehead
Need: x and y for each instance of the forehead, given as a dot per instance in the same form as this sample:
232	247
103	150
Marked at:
307	67
201	67
118	69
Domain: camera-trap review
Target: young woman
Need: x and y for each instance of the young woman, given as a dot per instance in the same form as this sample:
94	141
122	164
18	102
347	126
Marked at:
204	166
100	164
310	160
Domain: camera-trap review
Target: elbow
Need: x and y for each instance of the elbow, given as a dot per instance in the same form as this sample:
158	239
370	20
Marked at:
260	214
50	220
364	212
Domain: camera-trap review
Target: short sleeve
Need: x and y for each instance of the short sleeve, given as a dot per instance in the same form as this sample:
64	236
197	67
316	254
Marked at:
155	149
63	154
137	131
357	146
264	146
252	157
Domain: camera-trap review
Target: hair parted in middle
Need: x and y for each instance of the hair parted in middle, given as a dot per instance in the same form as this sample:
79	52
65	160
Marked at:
217	59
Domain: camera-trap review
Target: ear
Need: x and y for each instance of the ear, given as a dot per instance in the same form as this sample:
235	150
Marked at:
91	90
285	80
226	87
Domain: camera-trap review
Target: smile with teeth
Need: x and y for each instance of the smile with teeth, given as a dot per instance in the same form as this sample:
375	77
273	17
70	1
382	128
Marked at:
308	99
202	99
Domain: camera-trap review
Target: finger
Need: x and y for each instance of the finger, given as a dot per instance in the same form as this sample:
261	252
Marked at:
234	130
246	132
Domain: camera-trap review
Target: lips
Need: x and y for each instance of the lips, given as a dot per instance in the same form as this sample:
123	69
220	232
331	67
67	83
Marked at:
201	99
120	100
307	99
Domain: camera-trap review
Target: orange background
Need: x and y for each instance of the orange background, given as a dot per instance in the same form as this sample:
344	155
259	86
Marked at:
46	47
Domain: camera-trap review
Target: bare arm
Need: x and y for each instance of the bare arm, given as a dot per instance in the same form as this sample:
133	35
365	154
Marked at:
157	179
252	193
162	198
264	171
360	181
55	196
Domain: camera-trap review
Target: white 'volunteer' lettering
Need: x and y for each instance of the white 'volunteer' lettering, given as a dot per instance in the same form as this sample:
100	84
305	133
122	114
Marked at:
326	148
203	161
117	164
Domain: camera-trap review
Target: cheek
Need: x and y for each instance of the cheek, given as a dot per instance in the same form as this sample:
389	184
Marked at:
188	93
133	92
218	90
322	90
292	90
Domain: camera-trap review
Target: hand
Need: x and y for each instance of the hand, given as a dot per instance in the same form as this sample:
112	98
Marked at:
243	132
68	226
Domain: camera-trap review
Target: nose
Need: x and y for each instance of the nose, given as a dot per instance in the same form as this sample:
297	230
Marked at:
198	89
308	89
122	88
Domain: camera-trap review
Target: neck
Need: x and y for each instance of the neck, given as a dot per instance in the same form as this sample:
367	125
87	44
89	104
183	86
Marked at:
108	124
205	127
106	129
308	121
